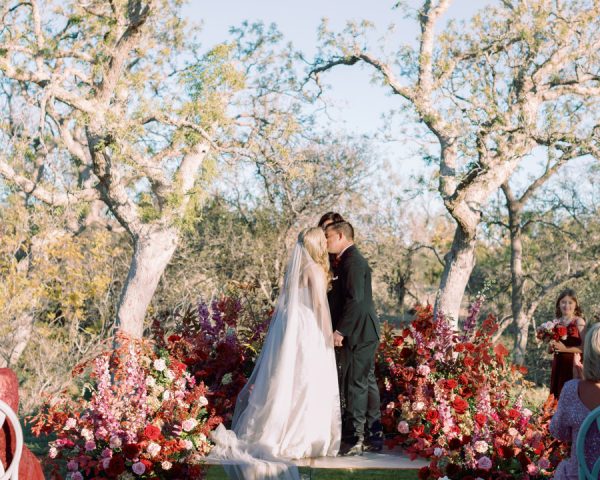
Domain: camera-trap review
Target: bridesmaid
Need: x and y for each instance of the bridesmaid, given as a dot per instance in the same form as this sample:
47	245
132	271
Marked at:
567	352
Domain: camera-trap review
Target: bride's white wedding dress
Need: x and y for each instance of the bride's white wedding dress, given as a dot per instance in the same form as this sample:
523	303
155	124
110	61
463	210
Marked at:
290	407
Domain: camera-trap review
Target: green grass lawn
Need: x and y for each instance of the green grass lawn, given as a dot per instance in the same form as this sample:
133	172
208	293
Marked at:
217	473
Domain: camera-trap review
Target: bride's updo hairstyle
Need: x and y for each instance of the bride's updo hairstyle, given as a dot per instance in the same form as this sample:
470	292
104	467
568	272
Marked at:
314	241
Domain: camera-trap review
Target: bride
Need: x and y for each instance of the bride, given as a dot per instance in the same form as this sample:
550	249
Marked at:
290	407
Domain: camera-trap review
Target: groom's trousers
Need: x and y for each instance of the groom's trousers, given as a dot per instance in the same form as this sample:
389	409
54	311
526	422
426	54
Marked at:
357	364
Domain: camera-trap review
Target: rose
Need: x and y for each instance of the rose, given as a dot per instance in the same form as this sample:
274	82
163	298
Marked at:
403	427
116	466
138	468
484	463
87	434
131	450
115	442
460	405
53	452
432	415
152	432
561	332
438	452
423	370
159	364
70	423
532	469
202	401
418	406
480	419
72	465
153	449
166	465
481	446
76	476
90	445
189	424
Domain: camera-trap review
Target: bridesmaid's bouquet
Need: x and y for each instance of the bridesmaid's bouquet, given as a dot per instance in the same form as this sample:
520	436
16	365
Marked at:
551	331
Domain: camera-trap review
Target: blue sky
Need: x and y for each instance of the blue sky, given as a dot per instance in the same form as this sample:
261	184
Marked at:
358	105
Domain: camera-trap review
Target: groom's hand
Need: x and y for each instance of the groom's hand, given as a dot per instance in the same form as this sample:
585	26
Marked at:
337	339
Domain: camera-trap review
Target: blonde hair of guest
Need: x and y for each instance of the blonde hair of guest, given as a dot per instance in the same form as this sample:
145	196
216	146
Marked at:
591	354
314	241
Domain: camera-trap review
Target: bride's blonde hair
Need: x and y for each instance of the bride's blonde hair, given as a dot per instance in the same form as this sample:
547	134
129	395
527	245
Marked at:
314	241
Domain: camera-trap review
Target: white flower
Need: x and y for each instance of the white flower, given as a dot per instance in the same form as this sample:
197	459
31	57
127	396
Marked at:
481	446
189	424
423	370
443	478
166	465
202	437
53	452
153	449
150	381
188	444
513	432
227	379
87	434
403	427
438	452
166	395
390	406
202	401
418	406
159	364
70	423
170	375
526	413
115	442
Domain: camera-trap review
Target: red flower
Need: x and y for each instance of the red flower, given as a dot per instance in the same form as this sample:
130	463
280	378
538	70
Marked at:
152	432
450	383
459	347
406	352
116	466
514	413
561	331
469	346
460	406
481	419
432	415
174	338
468	361
148	464
131	450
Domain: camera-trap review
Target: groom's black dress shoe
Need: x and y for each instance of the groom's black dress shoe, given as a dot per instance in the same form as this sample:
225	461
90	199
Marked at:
374	442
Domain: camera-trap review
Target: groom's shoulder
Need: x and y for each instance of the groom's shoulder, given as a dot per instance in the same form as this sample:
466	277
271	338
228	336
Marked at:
354	256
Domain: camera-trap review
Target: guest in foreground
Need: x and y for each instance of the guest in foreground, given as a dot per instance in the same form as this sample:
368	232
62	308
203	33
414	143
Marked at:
577	400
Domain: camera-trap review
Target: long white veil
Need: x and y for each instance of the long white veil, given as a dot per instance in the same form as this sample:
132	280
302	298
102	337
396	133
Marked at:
267	409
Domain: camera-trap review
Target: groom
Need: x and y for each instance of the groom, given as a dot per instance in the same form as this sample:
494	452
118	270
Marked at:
356	331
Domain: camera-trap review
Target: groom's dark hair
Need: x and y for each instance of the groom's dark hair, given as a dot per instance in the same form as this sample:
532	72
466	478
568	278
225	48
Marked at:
343	227
333	217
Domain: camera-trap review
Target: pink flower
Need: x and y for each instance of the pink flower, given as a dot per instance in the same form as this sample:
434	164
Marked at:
532	469
115	442
423	370
77	476
485	463
107	453
53	452
70	423
72	465
106	463
90	445
138	468
403	427
189	424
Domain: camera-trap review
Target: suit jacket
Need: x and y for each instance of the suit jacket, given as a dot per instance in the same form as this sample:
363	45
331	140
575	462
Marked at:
351	299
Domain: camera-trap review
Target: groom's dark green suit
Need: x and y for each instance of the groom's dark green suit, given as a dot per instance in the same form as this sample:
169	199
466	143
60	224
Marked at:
353	315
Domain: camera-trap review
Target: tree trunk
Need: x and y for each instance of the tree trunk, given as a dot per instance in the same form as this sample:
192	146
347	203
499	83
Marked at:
152	253
459	263
22	330
520	317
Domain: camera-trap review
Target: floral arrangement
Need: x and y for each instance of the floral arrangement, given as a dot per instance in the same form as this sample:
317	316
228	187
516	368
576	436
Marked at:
551	331
452	398
219	343
142	415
